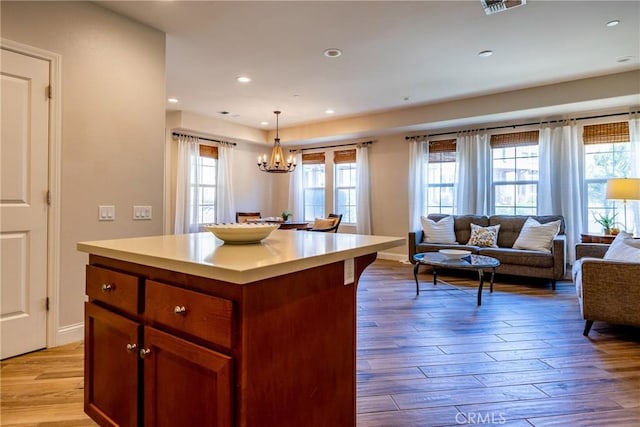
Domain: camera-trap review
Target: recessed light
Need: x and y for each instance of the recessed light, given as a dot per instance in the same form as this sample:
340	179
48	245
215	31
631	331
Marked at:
485	53
264	123
173	100
624	58
243	79
613	23
332	52
329	111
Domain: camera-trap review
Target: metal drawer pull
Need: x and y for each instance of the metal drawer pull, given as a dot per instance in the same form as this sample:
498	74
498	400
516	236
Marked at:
131	348
144	352
180	309
107	287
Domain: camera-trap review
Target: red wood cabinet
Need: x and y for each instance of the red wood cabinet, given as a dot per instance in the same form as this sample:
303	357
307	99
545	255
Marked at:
190	350
111	392
185	384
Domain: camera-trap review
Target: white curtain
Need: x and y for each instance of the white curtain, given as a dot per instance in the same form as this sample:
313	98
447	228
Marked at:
473	174
363	192
634	134
418	155
546	176
225	208
560	180
187	175
296	200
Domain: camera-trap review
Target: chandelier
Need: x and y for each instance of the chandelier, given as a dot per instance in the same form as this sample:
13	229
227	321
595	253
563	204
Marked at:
276	162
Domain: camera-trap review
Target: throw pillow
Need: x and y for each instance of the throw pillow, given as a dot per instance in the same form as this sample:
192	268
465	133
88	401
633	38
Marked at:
537	237
438	232
486	237
322	223
624	248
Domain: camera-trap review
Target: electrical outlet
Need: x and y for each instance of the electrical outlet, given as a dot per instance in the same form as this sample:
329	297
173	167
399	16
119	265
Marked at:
106	213
142	212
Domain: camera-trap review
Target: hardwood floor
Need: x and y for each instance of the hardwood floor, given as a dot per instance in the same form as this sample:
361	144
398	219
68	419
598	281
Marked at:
434	360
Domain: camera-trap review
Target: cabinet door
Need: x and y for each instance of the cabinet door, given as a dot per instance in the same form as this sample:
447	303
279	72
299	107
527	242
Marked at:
112	367
185	384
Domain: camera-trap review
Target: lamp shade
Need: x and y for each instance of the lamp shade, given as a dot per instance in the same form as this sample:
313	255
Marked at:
623	188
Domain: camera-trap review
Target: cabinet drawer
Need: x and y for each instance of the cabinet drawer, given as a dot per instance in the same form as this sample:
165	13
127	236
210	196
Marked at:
200	315
118	290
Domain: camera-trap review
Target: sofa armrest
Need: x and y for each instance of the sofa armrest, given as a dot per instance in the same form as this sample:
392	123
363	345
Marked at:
559	251
414	238
610	291
591	250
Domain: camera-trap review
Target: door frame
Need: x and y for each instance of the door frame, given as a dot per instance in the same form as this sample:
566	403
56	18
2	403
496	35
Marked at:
53	211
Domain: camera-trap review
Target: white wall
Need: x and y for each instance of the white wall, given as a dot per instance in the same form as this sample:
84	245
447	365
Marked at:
112	121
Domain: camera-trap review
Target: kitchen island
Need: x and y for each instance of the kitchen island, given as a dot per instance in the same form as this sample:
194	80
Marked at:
186	330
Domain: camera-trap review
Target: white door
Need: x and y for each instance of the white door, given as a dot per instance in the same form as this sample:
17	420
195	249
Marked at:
24	142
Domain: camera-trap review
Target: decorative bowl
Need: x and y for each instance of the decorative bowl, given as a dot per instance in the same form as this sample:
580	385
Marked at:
241	234
454	253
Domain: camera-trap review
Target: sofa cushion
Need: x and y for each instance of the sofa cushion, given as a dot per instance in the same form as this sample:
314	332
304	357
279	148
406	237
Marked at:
484	236
462	224
438	231
512	224
536	236
624	248
519	257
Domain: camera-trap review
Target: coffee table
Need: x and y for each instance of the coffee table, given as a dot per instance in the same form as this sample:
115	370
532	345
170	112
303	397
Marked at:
470	262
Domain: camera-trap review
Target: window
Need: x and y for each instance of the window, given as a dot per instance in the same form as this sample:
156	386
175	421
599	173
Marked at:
607	154
441	176
345	184
515	173
313	184
205	186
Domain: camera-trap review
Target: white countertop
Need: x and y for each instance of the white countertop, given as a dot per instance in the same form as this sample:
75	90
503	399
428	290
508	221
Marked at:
201	254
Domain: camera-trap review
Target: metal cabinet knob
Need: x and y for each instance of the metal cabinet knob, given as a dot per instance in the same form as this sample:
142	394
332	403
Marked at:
107	287
180	309
131	348
144	352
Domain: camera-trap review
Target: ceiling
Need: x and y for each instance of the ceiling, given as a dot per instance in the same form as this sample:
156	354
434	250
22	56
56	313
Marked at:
396	54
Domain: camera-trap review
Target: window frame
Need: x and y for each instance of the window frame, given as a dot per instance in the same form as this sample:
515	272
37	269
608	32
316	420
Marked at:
616	136
313	159
516	141
438	152
336	188
207	153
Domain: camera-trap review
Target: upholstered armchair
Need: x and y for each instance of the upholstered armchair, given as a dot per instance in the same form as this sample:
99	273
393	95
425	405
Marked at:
607	290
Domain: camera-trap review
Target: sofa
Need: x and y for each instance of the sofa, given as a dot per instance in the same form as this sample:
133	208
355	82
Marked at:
608	290
518	262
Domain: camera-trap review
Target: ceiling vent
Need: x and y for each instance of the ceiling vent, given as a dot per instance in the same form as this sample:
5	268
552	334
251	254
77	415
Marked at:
494	6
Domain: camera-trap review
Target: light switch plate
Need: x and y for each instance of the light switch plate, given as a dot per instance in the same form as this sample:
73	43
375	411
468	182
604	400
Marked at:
106	213
142	212
349	274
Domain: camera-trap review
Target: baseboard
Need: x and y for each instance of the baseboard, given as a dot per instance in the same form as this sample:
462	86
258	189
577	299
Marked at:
391	256
69	334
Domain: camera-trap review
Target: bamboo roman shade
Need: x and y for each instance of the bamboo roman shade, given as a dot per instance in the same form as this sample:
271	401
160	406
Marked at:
515	139
313	158
442	151
208	151
606	133
344	156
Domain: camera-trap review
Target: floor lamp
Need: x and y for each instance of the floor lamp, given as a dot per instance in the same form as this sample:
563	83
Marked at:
624	189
